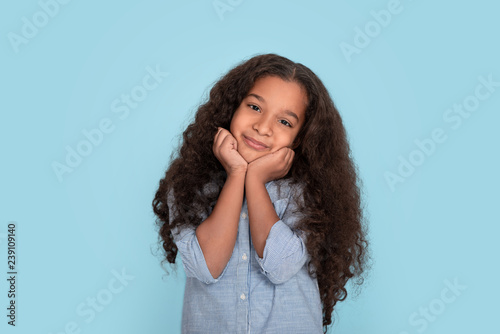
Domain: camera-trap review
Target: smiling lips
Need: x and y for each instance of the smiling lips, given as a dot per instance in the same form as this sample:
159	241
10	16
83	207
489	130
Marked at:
255	144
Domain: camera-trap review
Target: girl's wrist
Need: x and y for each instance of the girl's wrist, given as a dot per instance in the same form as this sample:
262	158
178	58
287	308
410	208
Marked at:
240	172
253	178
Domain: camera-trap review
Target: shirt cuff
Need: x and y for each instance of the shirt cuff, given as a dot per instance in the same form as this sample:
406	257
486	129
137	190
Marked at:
193	260
284	253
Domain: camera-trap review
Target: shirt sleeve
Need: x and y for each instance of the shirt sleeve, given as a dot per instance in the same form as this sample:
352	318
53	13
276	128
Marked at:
285	252
189	248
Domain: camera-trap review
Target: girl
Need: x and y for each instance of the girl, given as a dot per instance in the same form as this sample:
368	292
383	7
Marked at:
263	204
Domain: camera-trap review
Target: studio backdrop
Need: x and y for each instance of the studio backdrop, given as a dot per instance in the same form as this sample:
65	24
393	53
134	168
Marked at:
95	96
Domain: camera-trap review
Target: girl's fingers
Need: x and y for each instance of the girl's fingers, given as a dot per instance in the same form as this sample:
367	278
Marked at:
217	139
217	134
289	158
287	154
224	141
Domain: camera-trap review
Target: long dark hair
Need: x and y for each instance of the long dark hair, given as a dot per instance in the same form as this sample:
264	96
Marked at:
323	165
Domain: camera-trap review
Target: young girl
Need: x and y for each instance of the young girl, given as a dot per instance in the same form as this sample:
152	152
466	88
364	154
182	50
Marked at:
263	204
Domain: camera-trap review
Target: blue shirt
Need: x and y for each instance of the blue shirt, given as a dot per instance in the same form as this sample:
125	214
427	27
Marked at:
272	294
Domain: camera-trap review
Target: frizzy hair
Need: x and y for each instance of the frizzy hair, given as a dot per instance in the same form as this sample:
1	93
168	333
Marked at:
333	216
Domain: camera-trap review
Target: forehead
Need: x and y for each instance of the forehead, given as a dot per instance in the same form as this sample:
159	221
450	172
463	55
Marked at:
280	93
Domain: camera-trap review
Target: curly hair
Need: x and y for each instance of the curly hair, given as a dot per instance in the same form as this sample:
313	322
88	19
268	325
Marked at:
333	215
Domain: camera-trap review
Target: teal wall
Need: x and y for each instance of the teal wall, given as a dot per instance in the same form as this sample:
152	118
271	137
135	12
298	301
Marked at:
418	87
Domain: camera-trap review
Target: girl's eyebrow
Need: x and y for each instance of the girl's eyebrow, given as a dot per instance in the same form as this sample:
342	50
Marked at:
288	112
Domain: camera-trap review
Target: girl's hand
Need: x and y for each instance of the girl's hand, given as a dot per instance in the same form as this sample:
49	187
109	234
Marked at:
226	151
271	166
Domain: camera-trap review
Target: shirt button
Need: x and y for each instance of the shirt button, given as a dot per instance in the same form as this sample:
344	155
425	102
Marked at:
244	256
243	215
242	296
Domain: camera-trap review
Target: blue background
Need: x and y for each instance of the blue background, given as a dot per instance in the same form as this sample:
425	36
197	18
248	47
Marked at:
76	233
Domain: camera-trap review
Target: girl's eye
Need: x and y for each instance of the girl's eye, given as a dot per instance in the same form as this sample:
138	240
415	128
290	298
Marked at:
284	122
254	107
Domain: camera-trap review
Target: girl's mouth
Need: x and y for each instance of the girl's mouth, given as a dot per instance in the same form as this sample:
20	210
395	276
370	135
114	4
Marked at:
256	145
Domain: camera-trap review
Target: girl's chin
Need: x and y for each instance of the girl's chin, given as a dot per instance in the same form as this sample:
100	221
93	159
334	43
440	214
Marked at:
250	157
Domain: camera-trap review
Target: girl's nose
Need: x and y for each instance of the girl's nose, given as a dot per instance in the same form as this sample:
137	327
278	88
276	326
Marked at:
263	126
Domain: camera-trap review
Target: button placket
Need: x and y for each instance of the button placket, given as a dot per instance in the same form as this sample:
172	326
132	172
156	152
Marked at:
243	271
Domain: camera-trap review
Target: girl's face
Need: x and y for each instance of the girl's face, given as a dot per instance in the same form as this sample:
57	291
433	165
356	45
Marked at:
269	117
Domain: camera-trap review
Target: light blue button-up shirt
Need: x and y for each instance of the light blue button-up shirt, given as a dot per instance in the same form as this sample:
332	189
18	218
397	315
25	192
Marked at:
272	294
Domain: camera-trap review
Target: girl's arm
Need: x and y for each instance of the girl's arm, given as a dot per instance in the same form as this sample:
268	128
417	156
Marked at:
281	252
281	249
261	213
217	234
